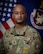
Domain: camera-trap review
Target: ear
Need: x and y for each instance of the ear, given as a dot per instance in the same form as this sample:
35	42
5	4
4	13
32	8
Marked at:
13	17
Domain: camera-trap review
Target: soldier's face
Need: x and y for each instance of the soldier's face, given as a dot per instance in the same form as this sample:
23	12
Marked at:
19	14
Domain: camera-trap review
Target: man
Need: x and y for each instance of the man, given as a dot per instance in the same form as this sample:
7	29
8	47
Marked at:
21	39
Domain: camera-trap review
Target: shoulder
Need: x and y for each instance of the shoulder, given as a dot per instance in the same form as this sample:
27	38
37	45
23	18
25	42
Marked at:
8	33
32	31
29	28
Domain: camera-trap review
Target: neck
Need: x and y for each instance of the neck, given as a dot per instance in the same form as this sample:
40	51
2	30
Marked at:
20	26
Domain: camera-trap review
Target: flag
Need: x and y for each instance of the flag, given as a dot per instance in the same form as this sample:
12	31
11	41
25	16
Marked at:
6	22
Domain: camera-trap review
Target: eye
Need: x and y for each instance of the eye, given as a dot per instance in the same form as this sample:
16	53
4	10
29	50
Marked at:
22	13
16	12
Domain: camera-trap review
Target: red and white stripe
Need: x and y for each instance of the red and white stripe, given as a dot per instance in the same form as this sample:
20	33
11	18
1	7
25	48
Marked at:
6	25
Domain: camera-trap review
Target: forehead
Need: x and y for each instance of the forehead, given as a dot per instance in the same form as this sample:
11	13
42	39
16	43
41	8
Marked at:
19	7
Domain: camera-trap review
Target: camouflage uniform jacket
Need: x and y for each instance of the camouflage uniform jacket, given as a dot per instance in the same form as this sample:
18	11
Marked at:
22	41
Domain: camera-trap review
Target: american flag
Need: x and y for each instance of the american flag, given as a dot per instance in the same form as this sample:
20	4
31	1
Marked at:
6	21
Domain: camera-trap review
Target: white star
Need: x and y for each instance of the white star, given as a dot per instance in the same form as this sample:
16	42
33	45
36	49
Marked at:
1	3
8	15
10	5
15	1
15	5
3	19
5	9
40	20
4	14
9	10
0	8
5	4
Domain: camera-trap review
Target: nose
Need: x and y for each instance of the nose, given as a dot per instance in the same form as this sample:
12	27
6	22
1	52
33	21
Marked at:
19	14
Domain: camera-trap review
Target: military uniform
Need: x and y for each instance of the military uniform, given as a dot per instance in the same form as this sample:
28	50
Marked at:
22	41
